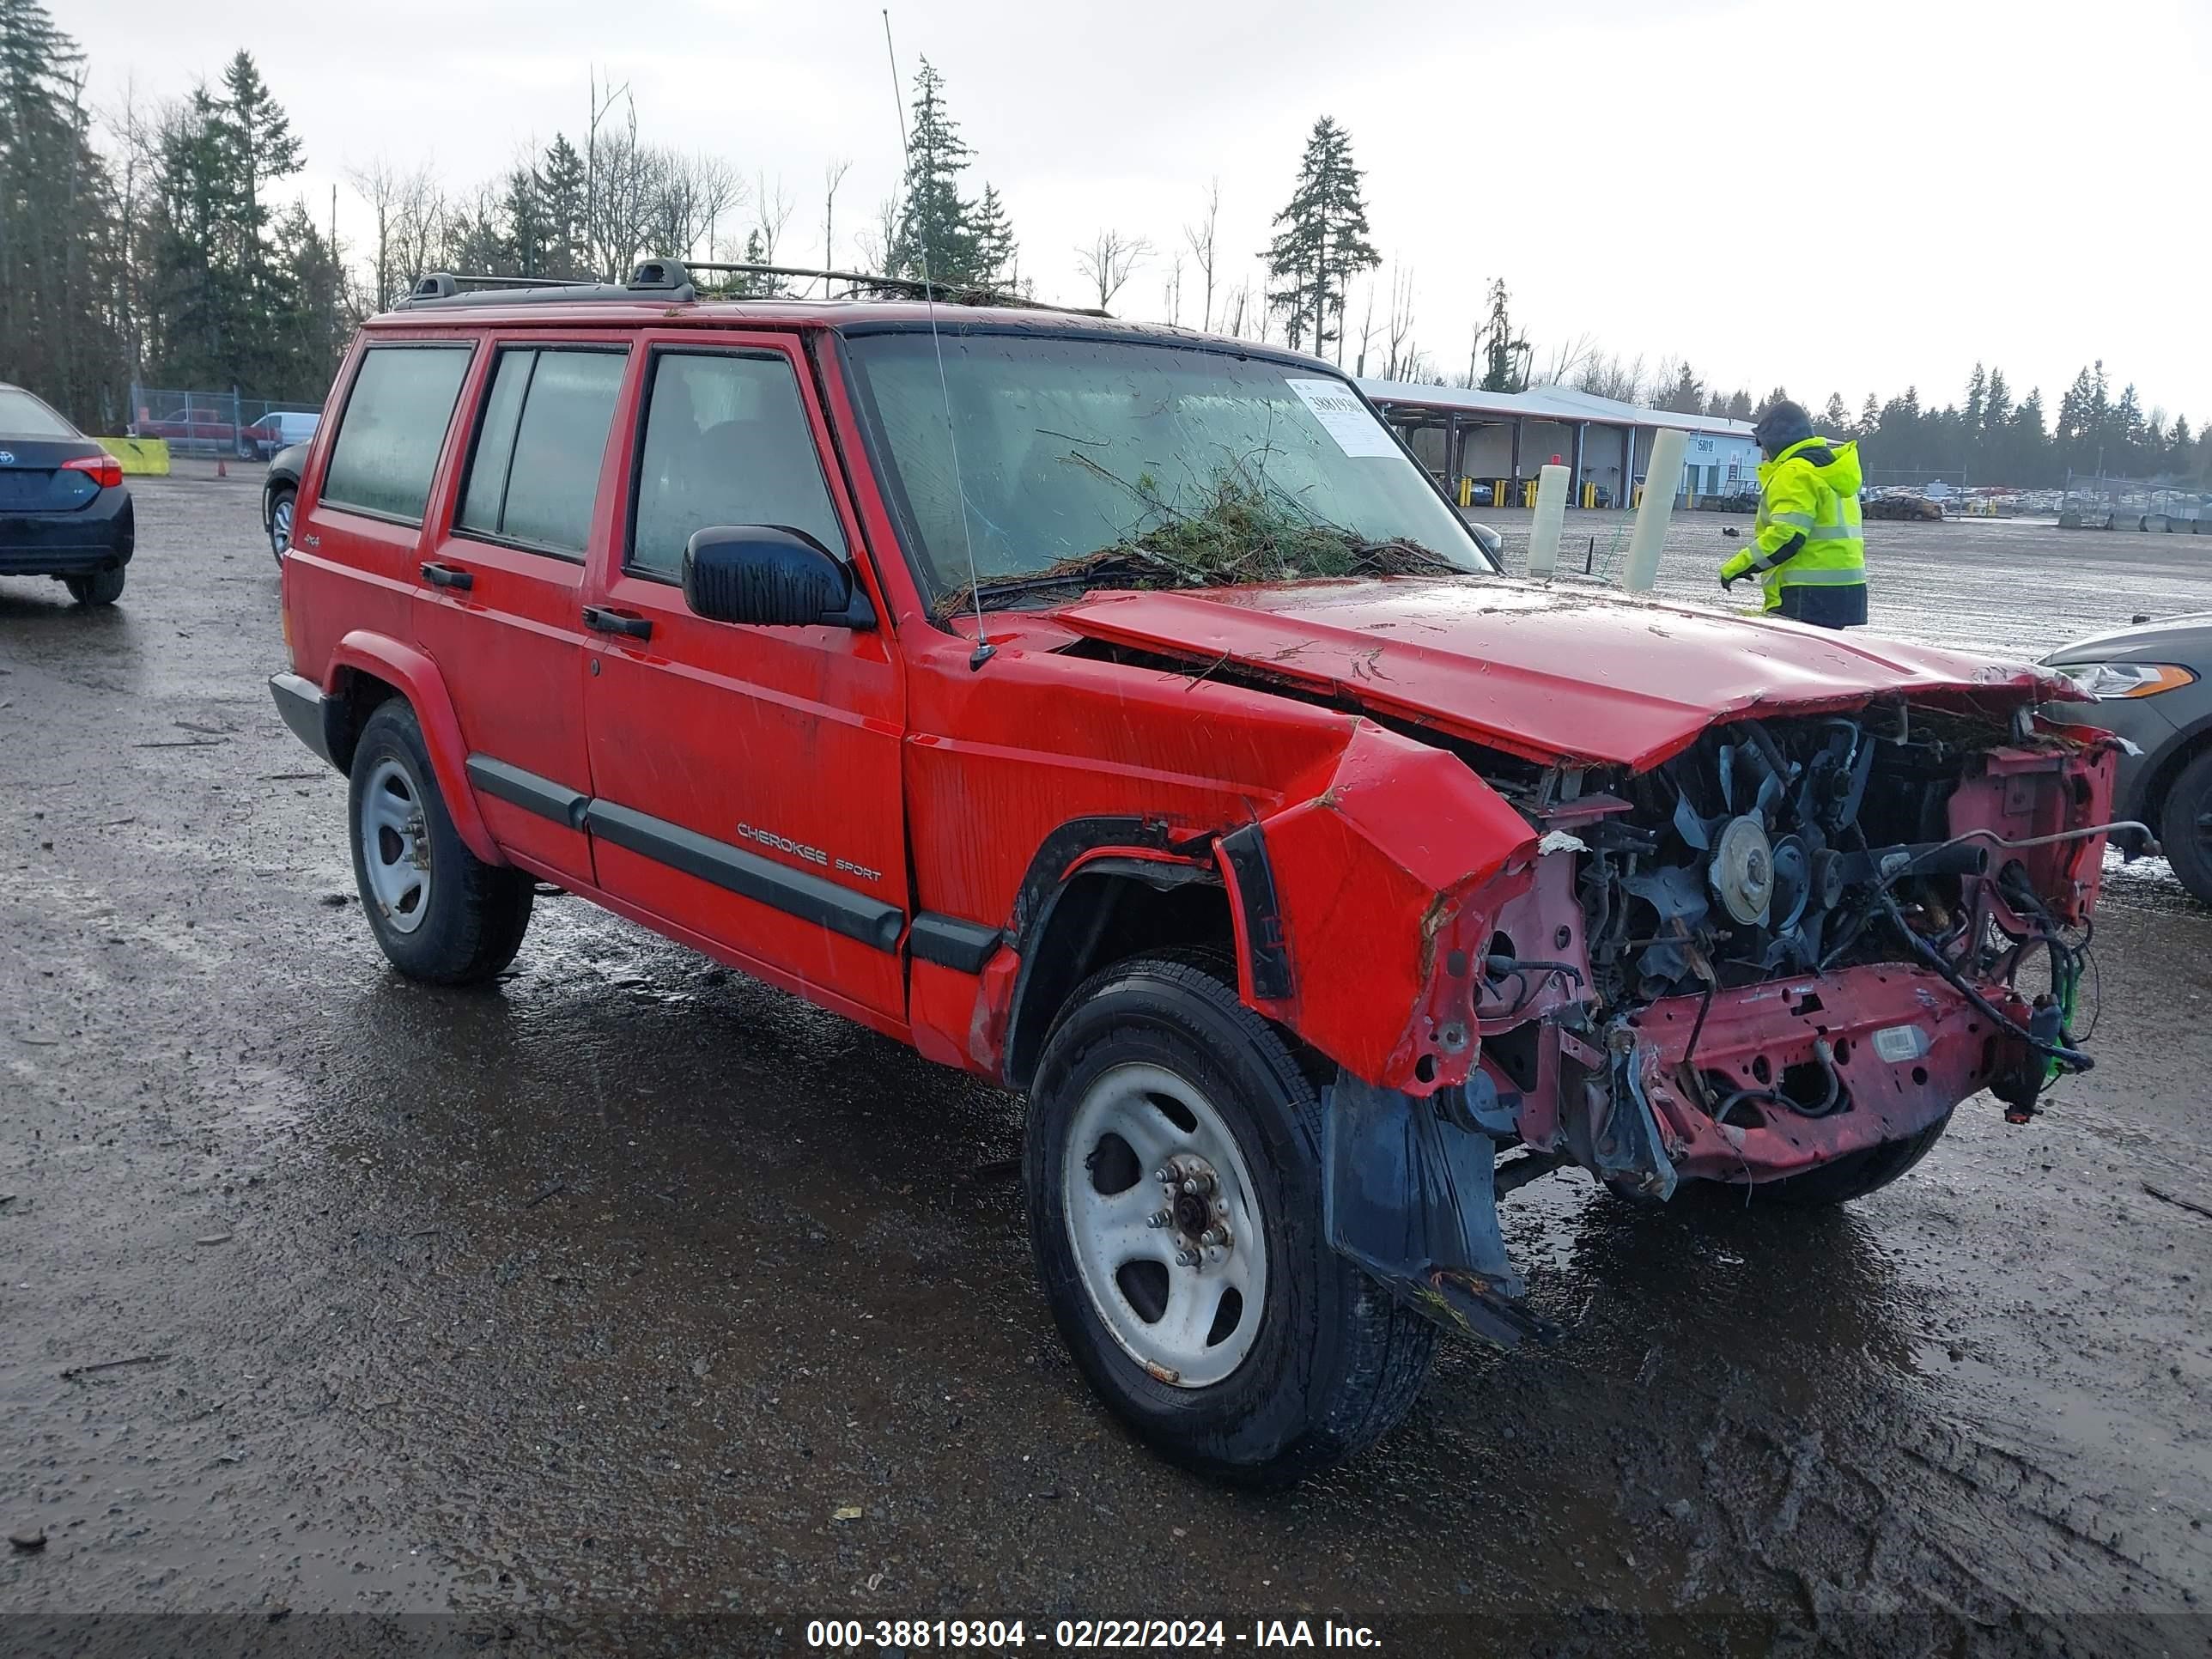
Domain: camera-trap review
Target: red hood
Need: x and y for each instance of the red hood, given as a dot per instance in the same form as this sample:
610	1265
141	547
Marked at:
1547	674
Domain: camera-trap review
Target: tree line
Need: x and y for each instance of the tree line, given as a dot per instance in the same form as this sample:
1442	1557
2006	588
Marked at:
157	246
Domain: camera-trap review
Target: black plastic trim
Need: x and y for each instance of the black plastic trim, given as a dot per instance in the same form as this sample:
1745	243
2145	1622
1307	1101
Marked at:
528	791
301	702
963	946
871	922
1246	849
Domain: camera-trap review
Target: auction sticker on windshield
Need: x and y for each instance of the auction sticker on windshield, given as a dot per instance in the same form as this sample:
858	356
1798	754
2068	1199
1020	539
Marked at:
1344	417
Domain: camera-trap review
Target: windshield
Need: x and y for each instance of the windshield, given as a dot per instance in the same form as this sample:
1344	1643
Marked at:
22	415
1143	464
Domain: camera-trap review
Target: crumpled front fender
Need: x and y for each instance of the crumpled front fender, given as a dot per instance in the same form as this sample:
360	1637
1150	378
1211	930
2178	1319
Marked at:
1386	884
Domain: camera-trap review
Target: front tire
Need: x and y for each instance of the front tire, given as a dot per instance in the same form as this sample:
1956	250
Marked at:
1229	1335
280	522
1854	1175
101	587
2184	827
440	913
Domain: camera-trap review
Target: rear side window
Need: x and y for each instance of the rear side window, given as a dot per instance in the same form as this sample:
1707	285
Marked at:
535	473
395	423
22	415
726	442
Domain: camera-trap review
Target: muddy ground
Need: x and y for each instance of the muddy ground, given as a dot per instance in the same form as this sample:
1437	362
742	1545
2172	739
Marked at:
629	1291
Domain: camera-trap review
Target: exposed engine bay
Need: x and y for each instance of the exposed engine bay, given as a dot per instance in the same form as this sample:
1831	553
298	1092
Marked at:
1796	938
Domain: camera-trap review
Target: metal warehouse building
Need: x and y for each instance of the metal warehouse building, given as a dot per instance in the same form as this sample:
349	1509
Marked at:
1487	445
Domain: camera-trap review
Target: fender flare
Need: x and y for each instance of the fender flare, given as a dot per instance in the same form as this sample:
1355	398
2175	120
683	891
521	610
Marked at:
382	657
1140	849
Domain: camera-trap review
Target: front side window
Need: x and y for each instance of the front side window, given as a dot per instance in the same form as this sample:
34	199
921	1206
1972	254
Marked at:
726	442
535	473
1113	463
395	423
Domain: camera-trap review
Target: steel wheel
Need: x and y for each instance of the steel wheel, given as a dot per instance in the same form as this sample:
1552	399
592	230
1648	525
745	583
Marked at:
395	845
1165	1225
280	524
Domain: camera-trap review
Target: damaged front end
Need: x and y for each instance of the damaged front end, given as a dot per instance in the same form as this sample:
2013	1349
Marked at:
1799	940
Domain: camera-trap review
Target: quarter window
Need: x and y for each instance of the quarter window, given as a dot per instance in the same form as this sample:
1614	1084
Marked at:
726	442
535	473
395	423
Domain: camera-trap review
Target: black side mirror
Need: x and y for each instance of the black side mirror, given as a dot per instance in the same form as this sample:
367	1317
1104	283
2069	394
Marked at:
770	575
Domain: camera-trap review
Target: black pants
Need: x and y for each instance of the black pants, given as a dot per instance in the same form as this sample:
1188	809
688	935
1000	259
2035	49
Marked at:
1825	607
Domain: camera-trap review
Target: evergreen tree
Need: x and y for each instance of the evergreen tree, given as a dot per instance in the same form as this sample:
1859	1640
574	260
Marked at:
1738	406
1321	242
1685	396
936	229
559	186
995	249
1869	416
1502	348
62	281
1997	405
1836	419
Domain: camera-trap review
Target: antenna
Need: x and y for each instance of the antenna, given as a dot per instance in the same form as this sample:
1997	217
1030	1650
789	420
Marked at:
984	649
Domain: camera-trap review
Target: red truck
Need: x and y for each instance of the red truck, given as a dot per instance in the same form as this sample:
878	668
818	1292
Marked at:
1122	714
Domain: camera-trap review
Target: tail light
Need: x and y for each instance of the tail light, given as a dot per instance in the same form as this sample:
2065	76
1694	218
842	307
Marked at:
105	470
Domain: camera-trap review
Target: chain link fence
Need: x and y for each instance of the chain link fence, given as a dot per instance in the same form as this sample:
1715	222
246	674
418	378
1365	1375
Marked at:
2102	503
219	423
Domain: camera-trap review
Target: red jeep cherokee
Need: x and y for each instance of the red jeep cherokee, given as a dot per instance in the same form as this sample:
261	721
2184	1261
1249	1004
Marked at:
1122	714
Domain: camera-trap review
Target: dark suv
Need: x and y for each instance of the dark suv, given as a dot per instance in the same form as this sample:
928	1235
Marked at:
1122	714
64	512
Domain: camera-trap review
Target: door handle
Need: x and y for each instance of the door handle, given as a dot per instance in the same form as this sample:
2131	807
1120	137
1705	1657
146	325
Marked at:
446	575
601	620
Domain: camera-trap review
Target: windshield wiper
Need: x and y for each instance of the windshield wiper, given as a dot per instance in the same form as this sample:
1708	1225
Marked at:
1111	566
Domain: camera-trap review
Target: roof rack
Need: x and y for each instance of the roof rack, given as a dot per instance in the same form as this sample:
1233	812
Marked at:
671	280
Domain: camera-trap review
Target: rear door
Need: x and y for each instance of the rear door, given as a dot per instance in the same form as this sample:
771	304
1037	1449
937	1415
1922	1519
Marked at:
747	779
34	443
358	531
498	599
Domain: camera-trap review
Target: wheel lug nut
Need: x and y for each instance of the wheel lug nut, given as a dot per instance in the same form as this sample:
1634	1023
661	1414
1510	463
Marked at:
1162	1173
1185	1258
1157	1218
1213	1236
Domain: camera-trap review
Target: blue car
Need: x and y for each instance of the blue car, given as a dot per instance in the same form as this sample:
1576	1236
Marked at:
64	512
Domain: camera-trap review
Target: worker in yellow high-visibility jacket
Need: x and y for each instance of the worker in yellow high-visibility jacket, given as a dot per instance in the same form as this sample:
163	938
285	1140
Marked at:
1809	548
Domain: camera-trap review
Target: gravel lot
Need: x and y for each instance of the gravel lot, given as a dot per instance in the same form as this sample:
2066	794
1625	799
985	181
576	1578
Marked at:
630	1292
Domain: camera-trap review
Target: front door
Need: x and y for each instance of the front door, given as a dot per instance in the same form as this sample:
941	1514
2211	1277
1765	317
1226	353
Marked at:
745	780
499	605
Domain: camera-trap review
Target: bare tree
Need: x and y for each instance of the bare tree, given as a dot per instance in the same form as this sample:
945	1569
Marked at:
410	216
1109	261
1566	361
833	174
876	243
772	211
1173	290
1202	239
1401	326
1366	331
594	181
1605	375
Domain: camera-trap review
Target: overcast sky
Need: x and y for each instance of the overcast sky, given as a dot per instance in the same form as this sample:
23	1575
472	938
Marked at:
1841	197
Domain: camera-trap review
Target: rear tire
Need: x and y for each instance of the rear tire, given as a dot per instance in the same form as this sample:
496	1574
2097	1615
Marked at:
101	587
440	913
1328	1361
2184	827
